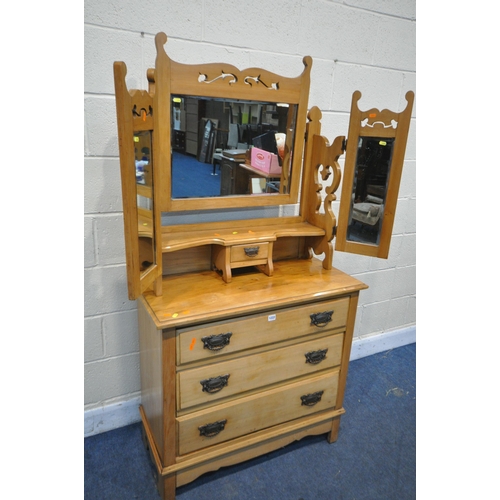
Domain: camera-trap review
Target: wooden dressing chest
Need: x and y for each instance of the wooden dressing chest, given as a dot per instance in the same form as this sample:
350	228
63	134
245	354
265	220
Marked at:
230	371
245	335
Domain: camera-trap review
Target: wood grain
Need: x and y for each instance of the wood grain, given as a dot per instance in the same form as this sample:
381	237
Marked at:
194	298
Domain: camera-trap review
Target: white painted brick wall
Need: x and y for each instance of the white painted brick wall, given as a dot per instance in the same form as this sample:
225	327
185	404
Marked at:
366	45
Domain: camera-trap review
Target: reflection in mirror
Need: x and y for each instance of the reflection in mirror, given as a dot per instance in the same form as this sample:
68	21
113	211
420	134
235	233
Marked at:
373	161
144	187
226	147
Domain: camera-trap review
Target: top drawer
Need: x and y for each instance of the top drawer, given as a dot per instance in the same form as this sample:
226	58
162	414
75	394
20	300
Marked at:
225	337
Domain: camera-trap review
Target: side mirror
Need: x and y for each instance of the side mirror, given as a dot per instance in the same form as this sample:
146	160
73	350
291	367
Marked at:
375	151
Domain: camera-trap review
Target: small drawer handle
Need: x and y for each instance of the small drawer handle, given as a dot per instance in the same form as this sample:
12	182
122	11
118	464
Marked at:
216	342
214	384
211	430
251	251
321	319
315	357
311	399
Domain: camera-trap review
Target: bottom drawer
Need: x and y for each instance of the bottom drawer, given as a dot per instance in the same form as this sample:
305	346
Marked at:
259	411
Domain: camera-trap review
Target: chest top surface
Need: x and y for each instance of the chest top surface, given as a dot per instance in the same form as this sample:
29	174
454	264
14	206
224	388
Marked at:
201	297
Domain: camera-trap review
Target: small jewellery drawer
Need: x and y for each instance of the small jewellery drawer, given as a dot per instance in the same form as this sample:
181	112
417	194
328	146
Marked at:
225	337
249	253
226	378
226	421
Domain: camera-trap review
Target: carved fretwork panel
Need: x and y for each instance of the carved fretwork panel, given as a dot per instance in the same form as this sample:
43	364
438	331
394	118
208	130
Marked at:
375	120
325	175
142	109
216	79
233	80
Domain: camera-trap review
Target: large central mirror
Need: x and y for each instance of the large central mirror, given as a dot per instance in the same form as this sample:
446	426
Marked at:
226	138
226	147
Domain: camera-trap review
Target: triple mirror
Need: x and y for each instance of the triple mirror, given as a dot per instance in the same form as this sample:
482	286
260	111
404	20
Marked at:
174	138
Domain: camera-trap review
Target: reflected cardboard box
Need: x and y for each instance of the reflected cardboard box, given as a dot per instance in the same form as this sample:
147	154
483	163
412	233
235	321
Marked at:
265	161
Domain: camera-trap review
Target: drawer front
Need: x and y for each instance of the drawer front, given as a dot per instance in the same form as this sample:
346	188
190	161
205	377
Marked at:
249	253
225	337
219	380
253	413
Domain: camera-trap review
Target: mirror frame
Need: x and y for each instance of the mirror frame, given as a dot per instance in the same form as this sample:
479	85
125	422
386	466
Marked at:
220	80
130	122
373	123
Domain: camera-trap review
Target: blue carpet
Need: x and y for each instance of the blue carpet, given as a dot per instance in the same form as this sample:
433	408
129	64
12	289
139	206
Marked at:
191	178
373	458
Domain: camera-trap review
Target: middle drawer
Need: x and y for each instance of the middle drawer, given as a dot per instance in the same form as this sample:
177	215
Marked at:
219	380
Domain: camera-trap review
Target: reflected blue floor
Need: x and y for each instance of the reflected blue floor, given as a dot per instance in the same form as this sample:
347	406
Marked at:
191	178
373	458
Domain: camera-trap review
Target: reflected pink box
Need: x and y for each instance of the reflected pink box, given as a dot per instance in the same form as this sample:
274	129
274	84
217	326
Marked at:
265	161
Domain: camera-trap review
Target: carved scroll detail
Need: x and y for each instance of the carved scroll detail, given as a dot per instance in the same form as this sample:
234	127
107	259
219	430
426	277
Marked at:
256	79
142	107
203	78
365	123
142	111
374	118
325	168
325	163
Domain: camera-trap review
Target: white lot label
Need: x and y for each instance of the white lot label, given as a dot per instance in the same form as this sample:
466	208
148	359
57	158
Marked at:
271	317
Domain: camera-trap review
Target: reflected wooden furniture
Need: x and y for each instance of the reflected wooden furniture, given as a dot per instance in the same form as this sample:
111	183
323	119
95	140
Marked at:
258	175
179	140
245	335
236	176
233	180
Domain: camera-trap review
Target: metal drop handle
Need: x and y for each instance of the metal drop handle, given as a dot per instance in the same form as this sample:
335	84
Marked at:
214	384
211	430
315	357
251	251
311	399
216	342
321	319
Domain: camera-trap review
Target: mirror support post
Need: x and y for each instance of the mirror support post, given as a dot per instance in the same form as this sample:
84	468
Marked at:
320	166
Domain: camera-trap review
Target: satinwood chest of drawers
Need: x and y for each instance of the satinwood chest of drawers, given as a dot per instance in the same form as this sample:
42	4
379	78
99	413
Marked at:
230	371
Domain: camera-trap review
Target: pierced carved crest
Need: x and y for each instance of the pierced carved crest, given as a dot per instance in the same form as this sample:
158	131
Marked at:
248	80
